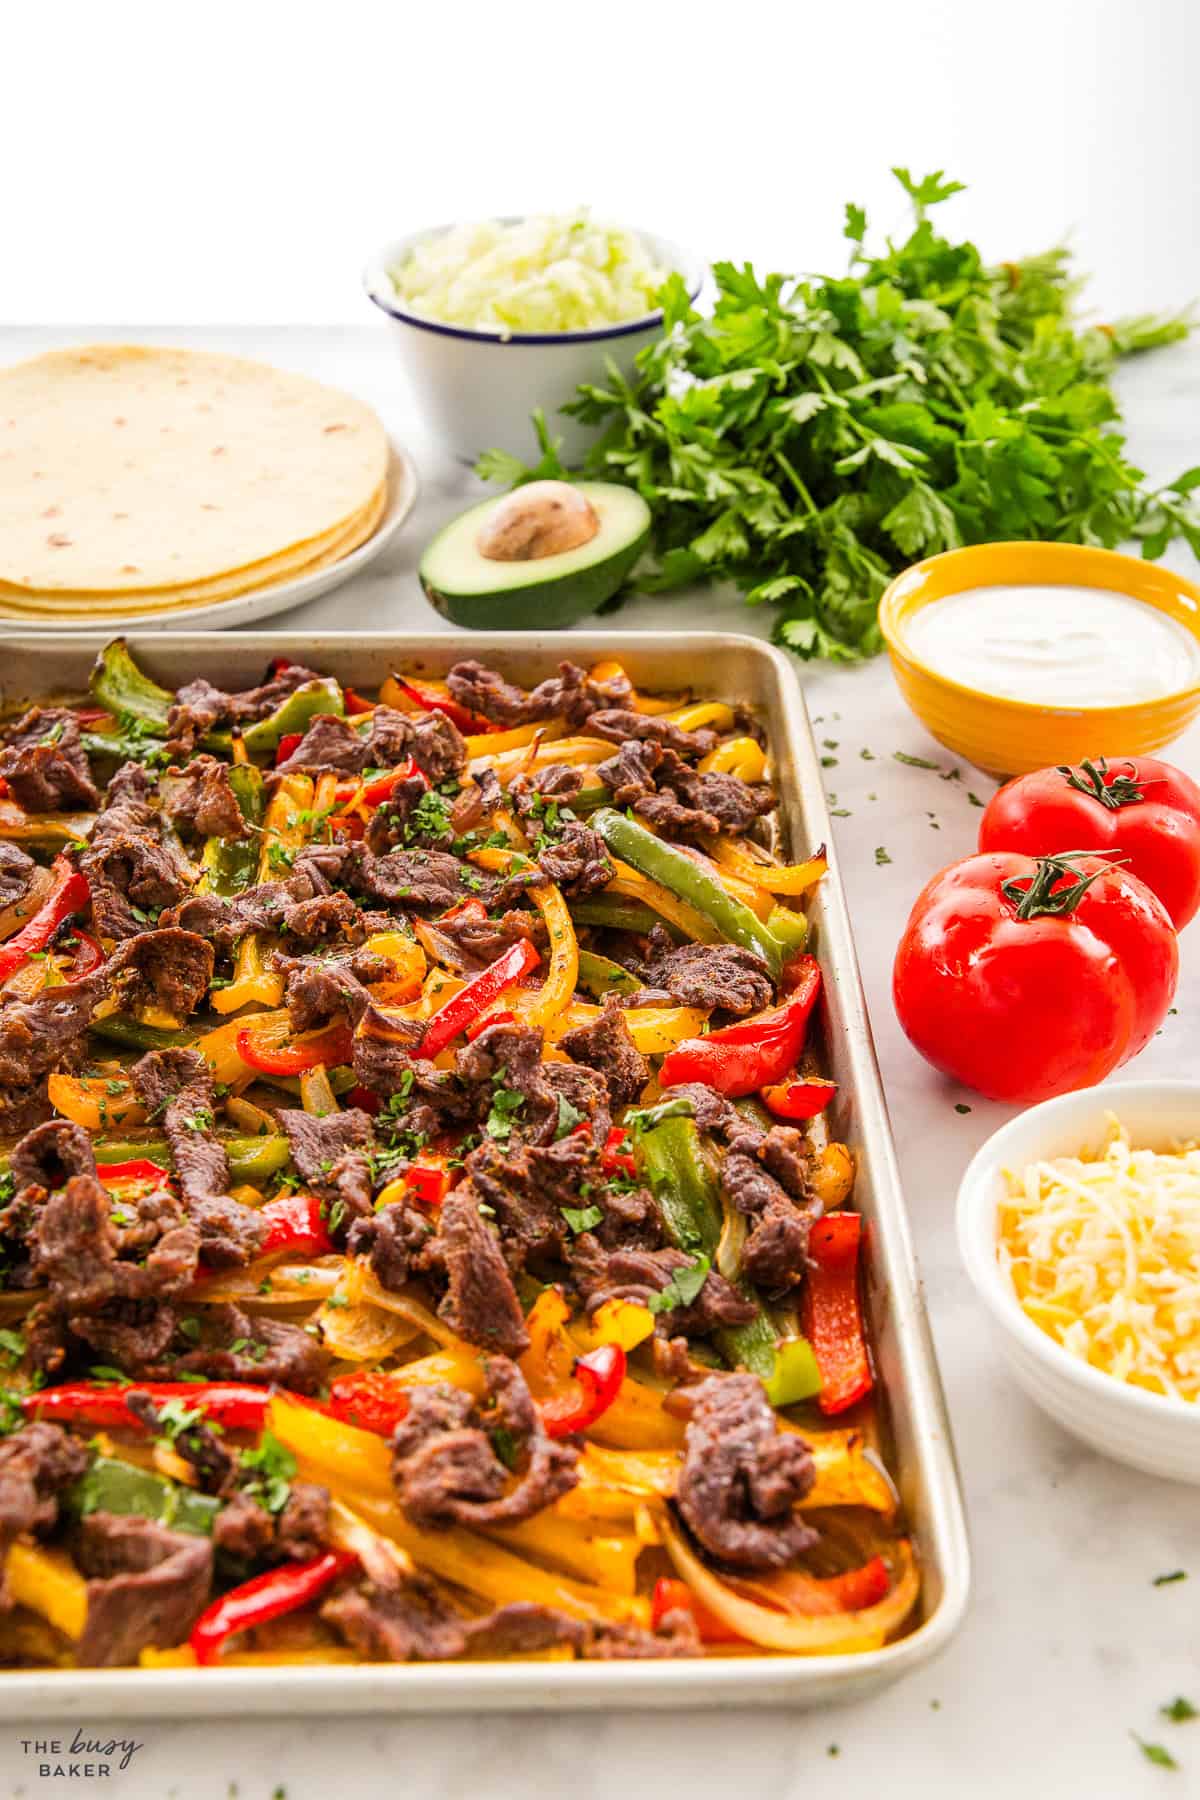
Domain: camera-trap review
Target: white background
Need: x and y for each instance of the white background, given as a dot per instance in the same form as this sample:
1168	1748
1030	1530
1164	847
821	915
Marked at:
239	159
224	165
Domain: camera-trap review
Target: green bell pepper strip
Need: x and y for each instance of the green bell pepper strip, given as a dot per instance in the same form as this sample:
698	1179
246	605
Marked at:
119	1487
599	975
121	747
131	1034
617	914
231	864
663	863
791	928
118	684
684	1183
252	1159
295	714
589	798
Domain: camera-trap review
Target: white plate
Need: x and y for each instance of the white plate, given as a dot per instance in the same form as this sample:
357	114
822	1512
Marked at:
243	609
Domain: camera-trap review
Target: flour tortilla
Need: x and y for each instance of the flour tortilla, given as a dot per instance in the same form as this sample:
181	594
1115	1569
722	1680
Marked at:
303	560
134	470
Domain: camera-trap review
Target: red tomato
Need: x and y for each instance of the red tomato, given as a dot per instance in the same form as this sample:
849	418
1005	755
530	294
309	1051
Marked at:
1139	808
1024	978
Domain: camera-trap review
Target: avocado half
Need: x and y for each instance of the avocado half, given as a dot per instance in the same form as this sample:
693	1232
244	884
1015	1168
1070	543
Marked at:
543	592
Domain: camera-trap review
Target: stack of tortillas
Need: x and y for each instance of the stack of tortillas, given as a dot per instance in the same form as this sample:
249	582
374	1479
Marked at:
139	481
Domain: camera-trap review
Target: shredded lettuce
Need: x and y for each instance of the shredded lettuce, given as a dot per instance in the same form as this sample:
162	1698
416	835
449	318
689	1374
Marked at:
560	272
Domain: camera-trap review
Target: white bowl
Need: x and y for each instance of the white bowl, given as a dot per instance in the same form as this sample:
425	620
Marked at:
1152	1431
477	389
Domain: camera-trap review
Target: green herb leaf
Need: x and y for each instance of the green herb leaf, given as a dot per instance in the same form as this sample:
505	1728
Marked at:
1157	1754
1166	1580
1179	1711
568	1118
683	1287
272	1468
583	1218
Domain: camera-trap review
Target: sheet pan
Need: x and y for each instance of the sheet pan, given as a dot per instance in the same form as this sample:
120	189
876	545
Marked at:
913	1415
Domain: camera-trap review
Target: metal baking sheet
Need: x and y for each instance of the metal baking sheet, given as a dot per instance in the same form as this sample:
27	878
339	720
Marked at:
913	1416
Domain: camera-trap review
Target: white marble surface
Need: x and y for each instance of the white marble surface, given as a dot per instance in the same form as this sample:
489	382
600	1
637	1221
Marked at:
1068	1646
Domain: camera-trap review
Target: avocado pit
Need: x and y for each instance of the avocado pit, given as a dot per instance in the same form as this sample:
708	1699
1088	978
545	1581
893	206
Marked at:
543	518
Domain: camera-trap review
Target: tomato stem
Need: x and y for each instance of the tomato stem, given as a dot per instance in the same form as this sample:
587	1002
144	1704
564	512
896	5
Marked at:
1092	779
1043	895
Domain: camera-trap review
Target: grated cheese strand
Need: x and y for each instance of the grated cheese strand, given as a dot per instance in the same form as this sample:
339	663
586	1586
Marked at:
1104	1255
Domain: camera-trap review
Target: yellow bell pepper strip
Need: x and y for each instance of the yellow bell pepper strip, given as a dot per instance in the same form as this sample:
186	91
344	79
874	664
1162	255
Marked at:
48	1583
715	714
654	1029
832	1314
407	695
624	1322
284	829
482	745
18	912
548	749
831	1633
740	756
96	1102
663	863
832	1176
356	1465
539	1005
229	864
777	878
755	1052
635	1417
69	893
52	831
663	905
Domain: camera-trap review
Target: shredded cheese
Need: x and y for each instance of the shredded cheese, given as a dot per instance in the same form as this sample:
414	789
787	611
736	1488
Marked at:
1104	1255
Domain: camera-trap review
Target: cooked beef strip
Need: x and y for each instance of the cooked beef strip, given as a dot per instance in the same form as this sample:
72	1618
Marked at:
775	1253
411	1621
629	1274
398	1241
712	1112
620	726
147	1586
37	1036
199	800
330	1156
199	706
332	744
481	1304
44	763
576	860
244	1530
268	1351
741	1477
16	872
89	1250
570	693
320	988
177	1085
130	867
765	1174
169	968
36	1464
668	793
481	938
605	1045
444	1462
676	1635
419	879
50	1154
391	823
476	801
720	976
523	1627
509	1057
301	906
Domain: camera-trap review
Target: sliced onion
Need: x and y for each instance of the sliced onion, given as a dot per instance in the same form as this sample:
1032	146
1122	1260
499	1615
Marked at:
384	1562
731	1242
408	1306
835	1634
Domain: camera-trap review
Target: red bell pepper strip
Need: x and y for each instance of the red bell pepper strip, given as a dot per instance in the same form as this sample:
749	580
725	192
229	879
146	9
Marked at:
676	1596
801	1098
479	993
599	1375
753	1053
355	703
88	957
613	1159
287	743
373	792
368	1399
458	715
428	1183
365	1099
268	1596
330	1047
278	664
140	1169
234	1405
69	893
296	1222
486	1019
832	1317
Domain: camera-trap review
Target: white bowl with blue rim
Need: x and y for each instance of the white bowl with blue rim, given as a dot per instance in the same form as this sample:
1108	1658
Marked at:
1154	1432
477	388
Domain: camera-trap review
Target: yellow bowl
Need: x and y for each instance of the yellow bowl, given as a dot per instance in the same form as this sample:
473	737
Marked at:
1010	737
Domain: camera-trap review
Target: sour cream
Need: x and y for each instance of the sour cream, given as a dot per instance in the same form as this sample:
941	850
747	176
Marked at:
1055	645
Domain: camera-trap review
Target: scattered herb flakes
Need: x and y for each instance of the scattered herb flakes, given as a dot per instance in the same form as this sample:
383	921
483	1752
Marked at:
914	762
273	1469
1179	1711
568	1118
829	762
1157	1754
881	855
840	812
834	1750
960	1106
974	798
867	755
1166	1580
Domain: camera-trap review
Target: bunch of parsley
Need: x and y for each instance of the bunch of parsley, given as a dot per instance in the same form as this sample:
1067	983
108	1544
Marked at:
814	436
